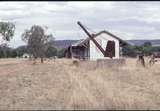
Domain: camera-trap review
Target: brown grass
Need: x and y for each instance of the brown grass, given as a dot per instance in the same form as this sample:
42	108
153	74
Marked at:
62	85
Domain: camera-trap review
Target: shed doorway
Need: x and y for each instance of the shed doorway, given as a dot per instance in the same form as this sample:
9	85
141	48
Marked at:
110	49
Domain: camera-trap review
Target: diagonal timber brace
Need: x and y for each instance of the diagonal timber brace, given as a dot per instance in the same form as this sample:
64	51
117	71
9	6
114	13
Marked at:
92	38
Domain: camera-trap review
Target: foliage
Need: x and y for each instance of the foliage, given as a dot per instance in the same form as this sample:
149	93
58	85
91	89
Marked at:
13	53
61	53
51	51
37	39
7	30
8	53
129	50
156	49
21	50
145	49
147	44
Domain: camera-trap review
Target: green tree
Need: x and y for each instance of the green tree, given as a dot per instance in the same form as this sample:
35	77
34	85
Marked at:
21	50
9	52
51	51
7	30
129	50
147	44
13	53
156	49
37	39
61	53
147	48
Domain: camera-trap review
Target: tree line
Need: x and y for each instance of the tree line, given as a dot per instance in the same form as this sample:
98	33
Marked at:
19	51
39	42
146	49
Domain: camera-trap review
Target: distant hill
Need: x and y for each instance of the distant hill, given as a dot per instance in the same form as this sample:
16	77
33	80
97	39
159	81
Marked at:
66	43
155	42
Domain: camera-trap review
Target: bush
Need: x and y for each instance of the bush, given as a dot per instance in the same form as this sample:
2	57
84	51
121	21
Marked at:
129	50
7	52
21	50
61	53
51	51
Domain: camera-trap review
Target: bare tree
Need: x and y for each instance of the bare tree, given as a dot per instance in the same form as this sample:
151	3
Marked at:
37	39
7	30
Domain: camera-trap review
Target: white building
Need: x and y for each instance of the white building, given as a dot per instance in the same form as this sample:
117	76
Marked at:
25	55
86	49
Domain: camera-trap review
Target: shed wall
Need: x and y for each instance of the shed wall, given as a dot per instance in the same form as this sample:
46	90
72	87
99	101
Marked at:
96	53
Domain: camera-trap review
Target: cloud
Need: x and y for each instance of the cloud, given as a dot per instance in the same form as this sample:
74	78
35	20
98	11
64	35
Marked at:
129	20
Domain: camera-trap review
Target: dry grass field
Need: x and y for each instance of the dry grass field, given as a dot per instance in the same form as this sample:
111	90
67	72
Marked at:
62	85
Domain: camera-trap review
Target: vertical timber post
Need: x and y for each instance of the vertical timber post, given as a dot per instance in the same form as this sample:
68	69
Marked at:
71	51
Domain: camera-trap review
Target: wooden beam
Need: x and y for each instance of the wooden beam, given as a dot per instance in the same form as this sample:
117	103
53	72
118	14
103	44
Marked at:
84	45
92	38
70	50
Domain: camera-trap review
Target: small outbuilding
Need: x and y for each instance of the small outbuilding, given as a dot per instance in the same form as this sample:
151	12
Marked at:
85	49
25	55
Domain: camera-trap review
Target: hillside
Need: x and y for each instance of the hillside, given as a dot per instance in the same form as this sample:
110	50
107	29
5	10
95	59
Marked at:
66	43
155	42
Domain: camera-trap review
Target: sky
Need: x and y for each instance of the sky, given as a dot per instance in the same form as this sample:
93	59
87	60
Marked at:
127	20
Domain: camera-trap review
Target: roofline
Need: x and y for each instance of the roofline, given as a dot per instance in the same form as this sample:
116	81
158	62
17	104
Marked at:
104	31
109	33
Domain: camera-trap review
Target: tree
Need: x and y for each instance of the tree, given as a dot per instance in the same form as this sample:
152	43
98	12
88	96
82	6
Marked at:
13	53
156	49
61	53
129	50
9	52
51	51
147	48
21	50
37	39
7	30
147	44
